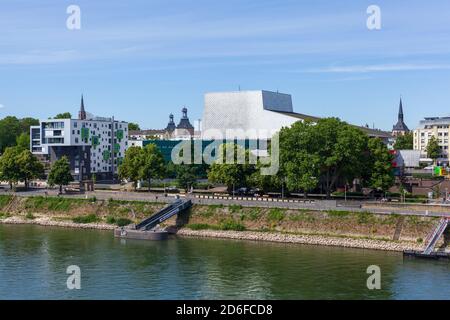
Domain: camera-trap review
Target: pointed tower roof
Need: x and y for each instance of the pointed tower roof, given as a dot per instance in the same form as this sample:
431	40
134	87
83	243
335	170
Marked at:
184	122
171	125
82	113
400	125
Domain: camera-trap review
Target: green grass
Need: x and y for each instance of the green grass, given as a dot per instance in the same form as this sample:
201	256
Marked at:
235	208
201	226
254	214
364	217
91	218
4	215
338	213
231	225
121	222
52	203
30	216
276	215
4	200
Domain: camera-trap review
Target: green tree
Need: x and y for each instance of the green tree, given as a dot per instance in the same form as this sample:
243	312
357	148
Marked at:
10	129
29	166
231	174
404	142
26	123
433	149
325	151
60	173
23	141
129	169
133	126
381	176
186	175
152	164
9	167
64	115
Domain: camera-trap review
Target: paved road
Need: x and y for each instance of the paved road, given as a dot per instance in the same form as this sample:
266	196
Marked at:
316	205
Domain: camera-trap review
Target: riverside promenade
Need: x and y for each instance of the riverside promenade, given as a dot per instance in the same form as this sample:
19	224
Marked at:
432	210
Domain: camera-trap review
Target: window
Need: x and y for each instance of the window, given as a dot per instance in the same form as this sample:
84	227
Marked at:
76	140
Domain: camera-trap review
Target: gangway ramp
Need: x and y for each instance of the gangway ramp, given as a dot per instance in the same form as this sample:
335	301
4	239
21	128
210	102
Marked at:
436	235
146	230
174	208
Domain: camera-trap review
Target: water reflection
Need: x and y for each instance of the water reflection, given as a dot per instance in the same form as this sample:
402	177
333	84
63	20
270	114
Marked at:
33	261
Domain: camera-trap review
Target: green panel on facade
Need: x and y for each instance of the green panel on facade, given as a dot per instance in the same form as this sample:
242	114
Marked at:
119	134
84	134
106	155
95	141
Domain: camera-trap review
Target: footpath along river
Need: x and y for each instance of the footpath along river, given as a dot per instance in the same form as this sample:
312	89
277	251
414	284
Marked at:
34	260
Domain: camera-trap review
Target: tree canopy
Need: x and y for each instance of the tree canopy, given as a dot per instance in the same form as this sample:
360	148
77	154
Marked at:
129	169
64	115
133	126
60	173
231	174
11	128
18	164
152	164
404	142
433	148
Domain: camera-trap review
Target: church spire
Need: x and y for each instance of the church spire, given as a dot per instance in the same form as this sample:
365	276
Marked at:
400	111
82	113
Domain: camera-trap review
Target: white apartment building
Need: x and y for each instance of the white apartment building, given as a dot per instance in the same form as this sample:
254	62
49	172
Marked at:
438	127
93	145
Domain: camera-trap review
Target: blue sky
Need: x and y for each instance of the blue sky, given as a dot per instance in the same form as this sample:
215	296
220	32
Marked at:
143	59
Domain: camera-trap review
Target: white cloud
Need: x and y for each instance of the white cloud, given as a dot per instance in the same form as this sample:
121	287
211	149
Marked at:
380	68
1	106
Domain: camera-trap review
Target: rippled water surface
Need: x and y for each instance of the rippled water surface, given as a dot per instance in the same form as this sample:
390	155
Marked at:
33	262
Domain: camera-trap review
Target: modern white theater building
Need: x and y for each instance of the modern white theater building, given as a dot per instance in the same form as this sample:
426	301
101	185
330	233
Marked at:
255	111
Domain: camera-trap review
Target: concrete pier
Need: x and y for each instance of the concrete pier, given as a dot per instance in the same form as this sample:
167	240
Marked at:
156	235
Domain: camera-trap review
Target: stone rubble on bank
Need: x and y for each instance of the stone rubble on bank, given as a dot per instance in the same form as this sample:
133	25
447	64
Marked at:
302	239
51	223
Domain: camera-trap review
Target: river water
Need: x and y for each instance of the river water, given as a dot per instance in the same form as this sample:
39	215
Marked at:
33	263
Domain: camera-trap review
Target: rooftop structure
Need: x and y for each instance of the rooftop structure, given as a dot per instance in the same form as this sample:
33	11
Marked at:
400	128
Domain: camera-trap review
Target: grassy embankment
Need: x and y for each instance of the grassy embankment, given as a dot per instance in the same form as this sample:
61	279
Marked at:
219	217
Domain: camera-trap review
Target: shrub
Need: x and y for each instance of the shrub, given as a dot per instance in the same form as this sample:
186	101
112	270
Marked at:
235	208
201	226
121	222
420	240
254	214
30	216
230	224
276	215
91	218
337	213
4	200
110	220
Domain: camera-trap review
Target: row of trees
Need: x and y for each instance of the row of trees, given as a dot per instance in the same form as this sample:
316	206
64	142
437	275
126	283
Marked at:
18	164
327	154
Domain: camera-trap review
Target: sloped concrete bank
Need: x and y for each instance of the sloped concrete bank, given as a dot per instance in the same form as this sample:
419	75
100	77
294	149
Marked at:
302	239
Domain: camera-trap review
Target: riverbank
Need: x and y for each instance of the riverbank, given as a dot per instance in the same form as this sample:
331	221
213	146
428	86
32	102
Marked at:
325	228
